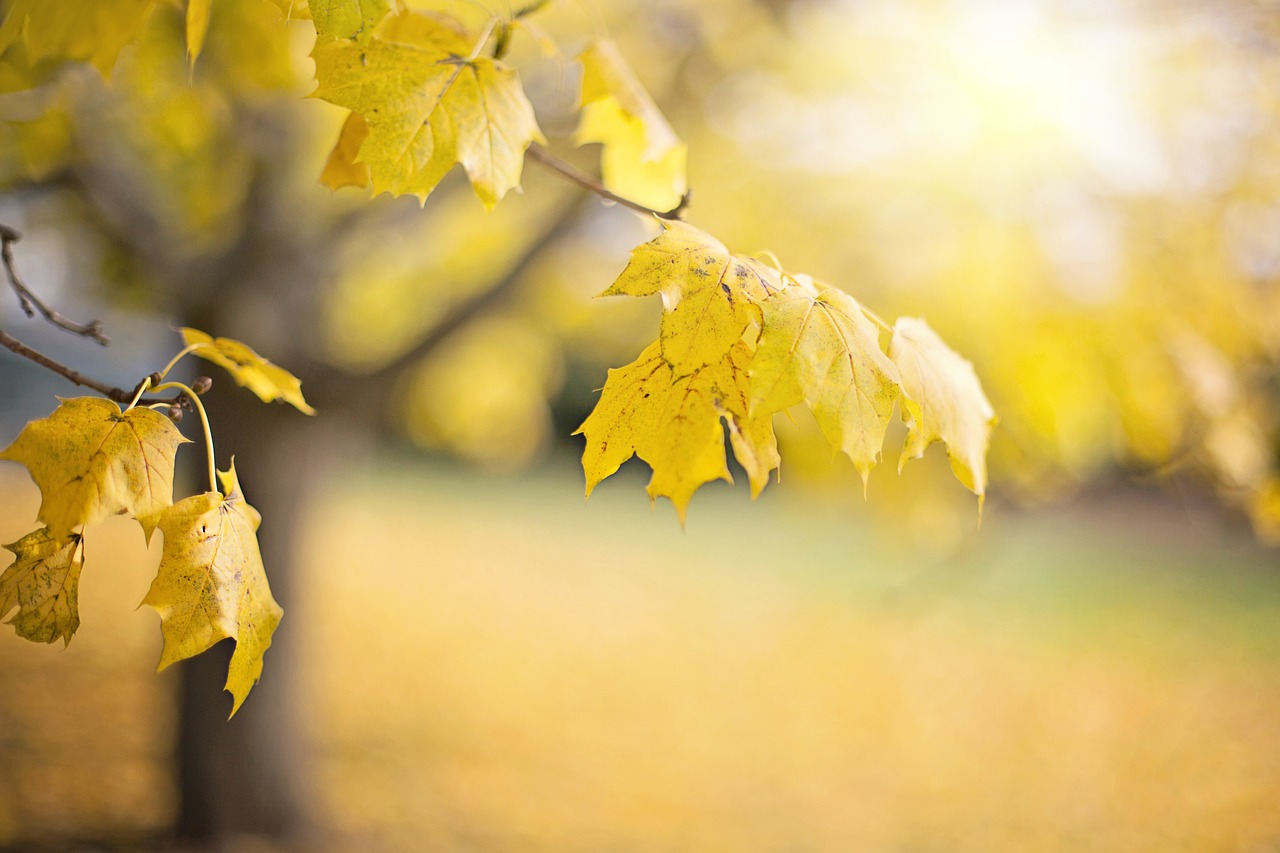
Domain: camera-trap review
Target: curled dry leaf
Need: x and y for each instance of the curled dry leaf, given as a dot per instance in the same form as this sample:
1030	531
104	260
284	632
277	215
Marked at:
211	584
43	583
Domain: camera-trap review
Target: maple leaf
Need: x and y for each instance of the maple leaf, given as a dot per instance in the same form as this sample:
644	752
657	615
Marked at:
707	293
820	348
673	423
943	401
197	27
212	585
91	461
248	369
346	19
74	30
428	105
42	582
642	159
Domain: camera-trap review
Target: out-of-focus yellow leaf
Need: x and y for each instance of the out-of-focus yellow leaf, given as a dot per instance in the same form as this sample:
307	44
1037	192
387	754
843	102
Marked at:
91	461
483	395
943	401
342	169
429	105
247	368
346	19
707	293
1264	510
94	32
821	349
673	423
643	159
197	27
1238	450
43	582
211	584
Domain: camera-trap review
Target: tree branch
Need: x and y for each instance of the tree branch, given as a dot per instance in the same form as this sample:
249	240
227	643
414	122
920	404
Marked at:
471	308
120	395
539	155
31	303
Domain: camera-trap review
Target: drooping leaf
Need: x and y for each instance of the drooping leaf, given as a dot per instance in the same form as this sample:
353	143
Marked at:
74	30
820	348
673	423
43	582
211	584
346	19
642	158
943	401
91	461
428	105
707	293
248	369
197	27
342	169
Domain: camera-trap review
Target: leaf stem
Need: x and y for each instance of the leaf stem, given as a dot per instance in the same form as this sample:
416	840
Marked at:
539	155
204	424
142	389
484	38
876	318
119	395
187	350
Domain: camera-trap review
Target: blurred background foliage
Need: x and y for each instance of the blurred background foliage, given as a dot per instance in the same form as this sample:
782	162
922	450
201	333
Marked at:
1080	196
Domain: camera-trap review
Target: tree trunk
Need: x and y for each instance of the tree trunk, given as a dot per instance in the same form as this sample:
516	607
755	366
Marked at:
246	776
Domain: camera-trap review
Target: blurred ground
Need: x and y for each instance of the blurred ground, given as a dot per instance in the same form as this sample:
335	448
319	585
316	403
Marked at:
495	665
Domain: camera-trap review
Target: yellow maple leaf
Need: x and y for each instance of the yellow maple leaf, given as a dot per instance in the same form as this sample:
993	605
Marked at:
248	369
91	461
346	19
212	585
820	348
708	294
43	582
942	401
642	159
429	105
61	30
197	27
673	423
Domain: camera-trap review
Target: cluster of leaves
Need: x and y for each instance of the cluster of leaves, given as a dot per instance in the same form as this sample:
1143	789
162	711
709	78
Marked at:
741	340
91	460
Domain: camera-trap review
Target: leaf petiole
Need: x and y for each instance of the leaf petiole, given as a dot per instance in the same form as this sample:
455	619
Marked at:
186	351
484	38
137	395
204	424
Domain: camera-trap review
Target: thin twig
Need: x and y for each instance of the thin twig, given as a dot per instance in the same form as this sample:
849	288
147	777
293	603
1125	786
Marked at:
31	303
540	156
120	395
